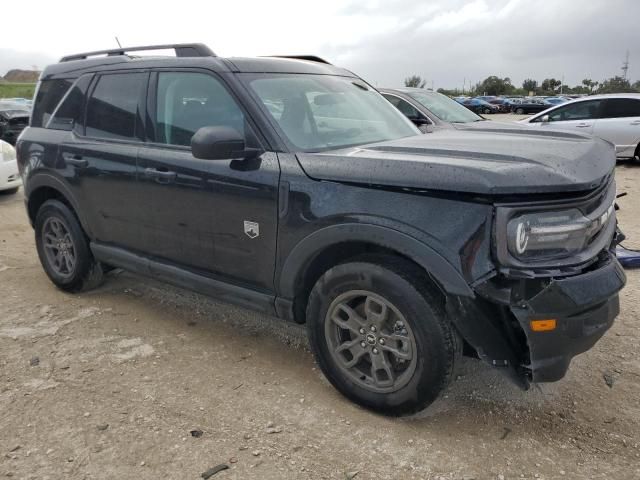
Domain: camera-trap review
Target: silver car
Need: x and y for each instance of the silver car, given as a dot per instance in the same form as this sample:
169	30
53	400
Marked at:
613	117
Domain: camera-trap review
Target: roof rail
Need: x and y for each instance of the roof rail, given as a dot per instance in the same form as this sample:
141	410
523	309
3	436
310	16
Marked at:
181	49
310	58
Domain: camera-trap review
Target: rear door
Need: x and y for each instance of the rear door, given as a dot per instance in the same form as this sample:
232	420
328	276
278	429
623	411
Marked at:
620	124
104	158
218	217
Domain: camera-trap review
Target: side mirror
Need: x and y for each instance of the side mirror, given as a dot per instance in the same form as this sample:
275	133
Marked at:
545	119
218	143
419	121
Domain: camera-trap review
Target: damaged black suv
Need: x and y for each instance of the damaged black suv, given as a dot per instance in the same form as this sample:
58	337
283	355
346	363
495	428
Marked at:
293	187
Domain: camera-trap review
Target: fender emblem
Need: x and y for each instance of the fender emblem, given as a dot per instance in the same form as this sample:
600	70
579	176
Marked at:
251	229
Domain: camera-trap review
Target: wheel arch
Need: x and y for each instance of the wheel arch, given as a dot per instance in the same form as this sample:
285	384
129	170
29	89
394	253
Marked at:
323	249
44	187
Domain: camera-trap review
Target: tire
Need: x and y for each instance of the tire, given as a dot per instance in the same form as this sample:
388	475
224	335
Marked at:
520	111
64	250
354	295
486	111
9	191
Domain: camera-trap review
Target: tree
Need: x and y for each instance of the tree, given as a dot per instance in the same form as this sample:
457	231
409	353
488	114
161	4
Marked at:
530	85
495	85
414	81
551	85
590	84
615	84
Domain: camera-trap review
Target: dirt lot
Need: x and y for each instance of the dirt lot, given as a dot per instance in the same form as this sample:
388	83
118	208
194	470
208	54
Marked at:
109	385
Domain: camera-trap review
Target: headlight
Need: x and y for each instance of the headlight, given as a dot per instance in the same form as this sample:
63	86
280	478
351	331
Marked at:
547	235
7	152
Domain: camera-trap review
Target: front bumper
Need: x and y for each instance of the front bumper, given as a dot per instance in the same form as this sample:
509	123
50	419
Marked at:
584	307
9	176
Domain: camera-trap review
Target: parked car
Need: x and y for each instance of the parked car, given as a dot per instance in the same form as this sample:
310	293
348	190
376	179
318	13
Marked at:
529	105
551	101
13	119
504	105
480	106
10	180
293	187
427	108
614	118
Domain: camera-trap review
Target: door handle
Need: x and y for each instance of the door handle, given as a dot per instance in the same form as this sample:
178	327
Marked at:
75	159
635	122
583	125
159	175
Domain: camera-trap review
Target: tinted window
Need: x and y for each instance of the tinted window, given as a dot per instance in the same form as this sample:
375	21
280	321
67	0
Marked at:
405	107
621	107
576	111
187	102
113	106
70	112
50	92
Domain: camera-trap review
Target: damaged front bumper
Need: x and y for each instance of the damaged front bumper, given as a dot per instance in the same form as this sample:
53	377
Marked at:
583	307
497	323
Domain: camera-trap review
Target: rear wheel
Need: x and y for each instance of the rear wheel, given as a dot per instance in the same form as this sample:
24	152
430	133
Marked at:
64	250
380	336
520	111
486	111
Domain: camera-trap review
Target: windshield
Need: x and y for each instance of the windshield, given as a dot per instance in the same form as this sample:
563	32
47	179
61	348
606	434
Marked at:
322	112
445	108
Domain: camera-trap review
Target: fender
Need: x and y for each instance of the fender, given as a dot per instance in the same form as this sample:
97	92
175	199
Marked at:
450	280
45	179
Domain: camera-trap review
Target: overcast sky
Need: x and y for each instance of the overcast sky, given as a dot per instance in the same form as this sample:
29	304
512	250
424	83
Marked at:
384	41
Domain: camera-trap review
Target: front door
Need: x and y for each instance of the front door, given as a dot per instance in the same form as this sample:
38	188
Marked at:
215	217
580	116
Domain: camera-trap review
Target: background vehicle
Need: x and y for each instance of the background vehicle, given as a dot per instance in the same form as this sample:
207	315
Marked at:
477	105
293	187
10	180
14	118
529	105
614	117
504	105
425	107
551	101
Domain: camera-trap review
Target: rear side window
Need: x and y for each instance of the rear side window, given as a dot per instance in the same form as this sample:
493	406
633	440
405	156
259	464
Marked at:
113	110
70	112
621	107
50	92
405	107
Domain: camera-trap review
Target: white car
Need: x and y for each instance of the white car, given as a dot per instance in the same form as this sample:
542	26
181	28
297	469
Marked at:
10	180
613	117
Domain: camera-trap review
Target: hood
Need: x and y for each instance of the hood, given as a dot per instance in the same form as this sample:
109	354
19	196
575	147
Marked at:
494	161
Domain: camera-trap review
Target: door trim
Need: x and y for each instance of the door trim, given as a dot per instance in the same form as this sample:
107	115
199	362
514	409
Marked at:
181	277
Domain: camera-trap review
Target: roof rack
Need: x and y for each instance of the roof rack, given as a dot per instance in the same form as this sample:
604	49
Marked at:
310	58
181	49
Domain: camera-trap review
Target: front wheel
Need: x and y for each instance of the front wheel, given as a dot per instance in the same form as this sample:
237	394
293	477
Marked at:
380	335
519	111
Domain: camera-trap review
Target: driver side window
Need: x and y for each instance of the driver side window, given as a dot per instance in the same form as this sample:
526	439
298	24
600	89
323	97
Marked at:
188	101
576	111
405	107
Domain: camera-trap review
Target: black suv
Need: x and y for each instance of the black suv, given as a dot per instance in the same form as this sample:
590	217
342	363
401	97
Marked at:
293	187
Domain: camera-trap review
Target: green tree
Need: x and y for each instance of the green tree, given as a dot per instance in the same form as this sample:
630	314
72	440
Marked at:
551	85
494	85
590	85
415	81
615	84
530	85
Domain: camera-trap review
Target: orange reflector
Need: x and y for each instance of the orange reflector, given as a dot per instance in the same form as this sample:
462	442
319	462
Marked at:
543	325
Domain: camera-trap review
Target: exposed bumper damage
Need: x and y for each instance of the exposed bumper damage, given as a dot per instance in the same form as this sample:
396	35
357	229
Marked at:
499	326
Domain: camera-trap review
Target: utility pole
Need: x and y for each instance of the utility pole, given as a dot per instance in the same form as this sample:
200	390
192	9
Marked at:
625	66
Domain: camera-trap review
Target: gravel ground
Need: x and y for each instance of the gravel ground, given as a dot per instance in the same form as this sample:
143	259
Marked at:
140	380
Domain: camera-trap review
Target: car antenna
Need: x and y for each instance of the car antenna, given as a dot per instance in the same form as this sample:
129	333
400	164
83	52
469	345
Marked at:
118	42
